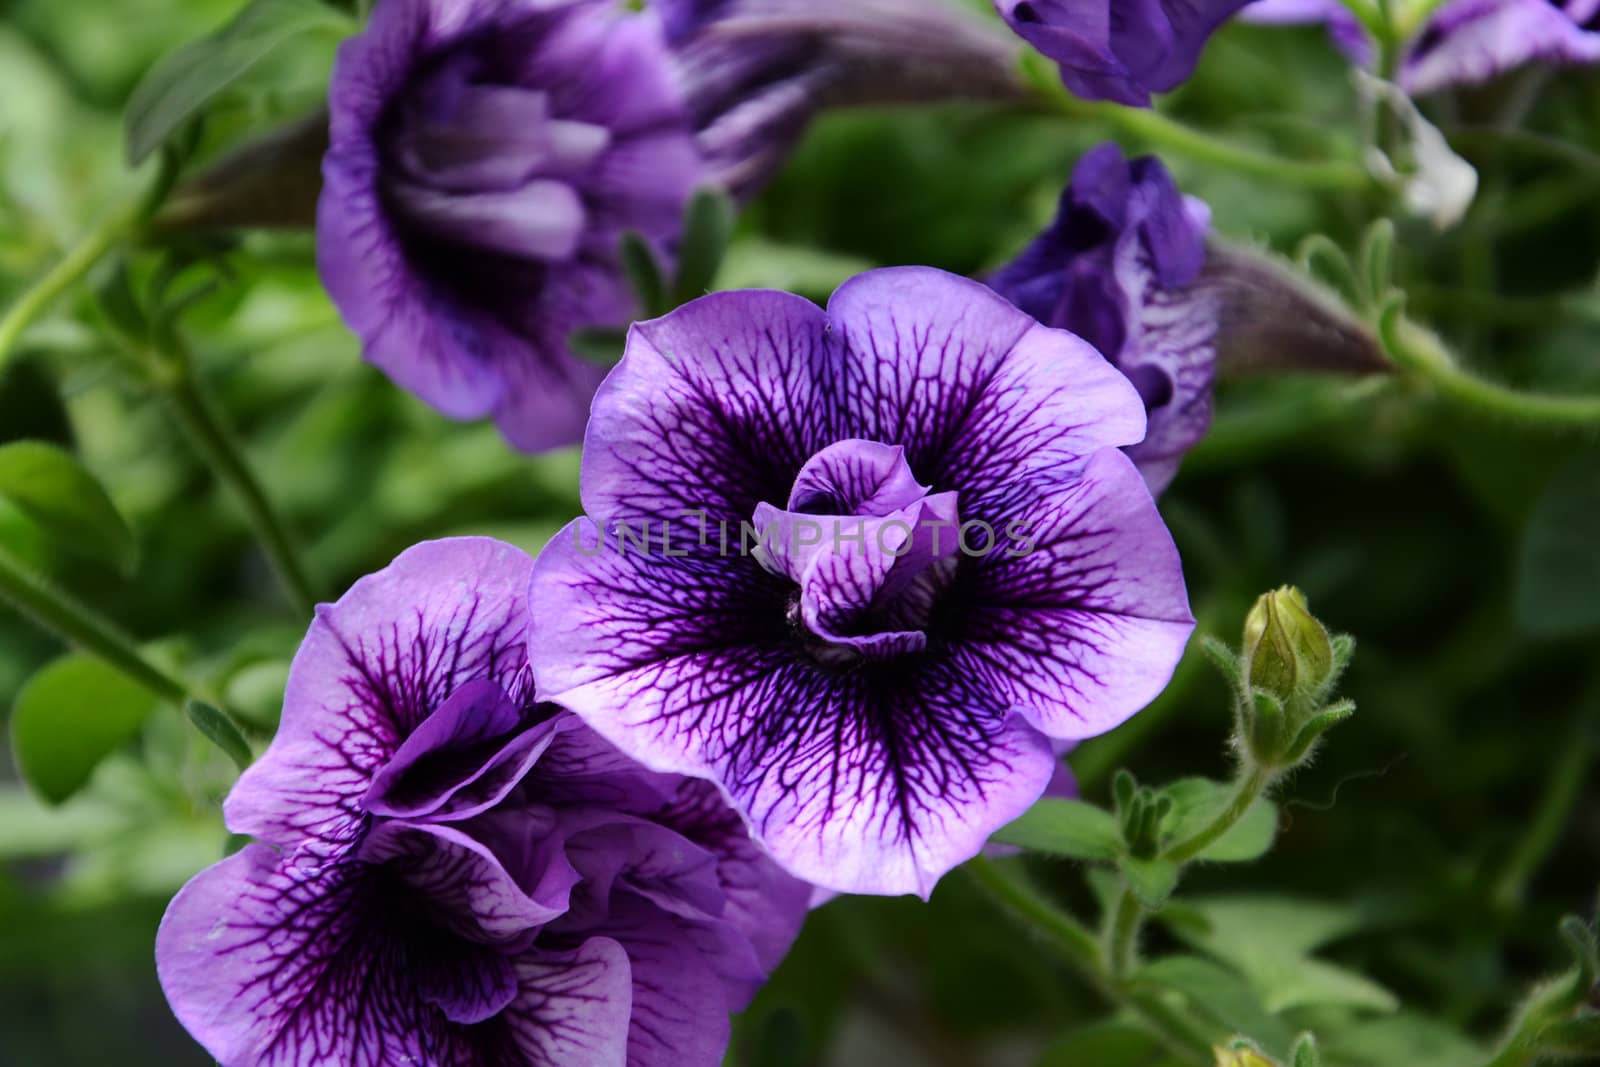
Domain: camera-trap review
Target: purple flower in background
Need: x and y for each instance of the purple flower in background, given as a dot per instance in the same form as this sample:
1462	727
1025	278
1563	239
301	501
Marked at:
953	566
1345	29
1464	42
1468	42
453	873
486	156
1121	50
1120	267
756	71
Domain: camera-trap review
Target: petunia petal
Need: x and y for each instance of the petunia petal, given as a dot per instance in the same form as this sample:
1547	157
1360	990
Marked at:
980	395
713	410
463	759
374	667
1085	628
268	967
466	885
1468	42
860	781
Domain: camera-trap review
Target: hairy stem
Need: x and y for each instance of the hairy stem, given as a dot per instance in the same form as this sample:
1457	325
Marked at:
1424	356
1252	783
1124	933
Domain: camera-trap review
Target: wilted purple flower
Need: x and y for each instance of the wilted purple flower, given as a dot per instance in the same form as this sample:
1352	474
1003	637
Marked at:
1118	50
1464	42
486	156
956	565
756	71
453	873
1119	267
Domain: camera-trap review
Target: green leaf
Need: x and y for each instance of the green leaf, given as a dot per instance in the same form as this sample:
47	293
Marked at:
1221	994
603	345
49	486
1198	801
1269	940
1065	828
1558	572
644	274
182	84
1411	1040
1152	881
70	716
707	227
760	263
1113	1043
220	731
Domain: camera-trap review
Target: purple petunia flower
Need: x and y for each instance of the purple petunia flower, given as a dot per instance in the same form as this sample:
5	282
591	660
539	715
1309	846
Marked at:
1464	42
1119	268
756	71
486	156
453	873
950	565
1121	50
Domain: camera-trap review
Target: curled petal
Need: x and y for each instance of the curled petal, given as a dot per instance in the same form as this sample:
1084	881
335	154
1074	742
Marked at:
372	669
862	781
467	887
981	396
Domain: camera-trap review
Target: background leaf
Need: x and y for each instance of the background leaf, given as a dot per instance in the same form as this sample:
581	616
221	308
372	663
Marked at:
53	489
707	226
1558	570
69	717
182	84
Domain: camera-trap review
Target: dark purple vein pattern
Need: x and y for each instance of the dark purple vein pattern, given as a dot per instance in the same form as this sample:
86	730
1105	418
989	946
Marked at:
454	873
874	715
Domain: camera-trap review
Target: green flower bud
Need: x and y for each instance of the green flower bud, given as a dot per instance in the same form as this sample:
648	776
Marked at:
1287	652
1241	1055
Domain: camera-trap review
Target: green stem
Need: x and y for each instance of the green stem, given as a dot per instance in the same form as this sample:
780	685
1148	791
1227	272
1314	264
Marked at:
1124	934
1563	786
1174	137
1252	783
1075	942
222	452
83	628
1420	352
1077	945
65	274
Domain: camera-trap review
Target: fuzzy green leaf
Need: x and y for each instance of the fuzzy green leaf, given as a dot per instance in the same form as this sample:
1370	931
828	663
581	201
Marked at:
1065	828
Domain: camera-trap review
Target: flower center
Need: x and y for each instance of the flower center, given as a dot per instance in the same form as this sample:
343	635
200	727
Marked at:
489	165
869	548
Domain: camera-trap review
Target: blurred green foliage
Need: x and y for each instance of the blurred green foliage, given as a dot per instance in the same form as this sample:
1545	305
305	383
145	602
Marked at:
1461	554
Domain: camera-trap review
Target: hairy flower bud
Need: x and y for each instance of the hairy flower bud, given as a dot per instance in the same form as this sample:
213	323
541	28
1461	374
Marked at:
1287	650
